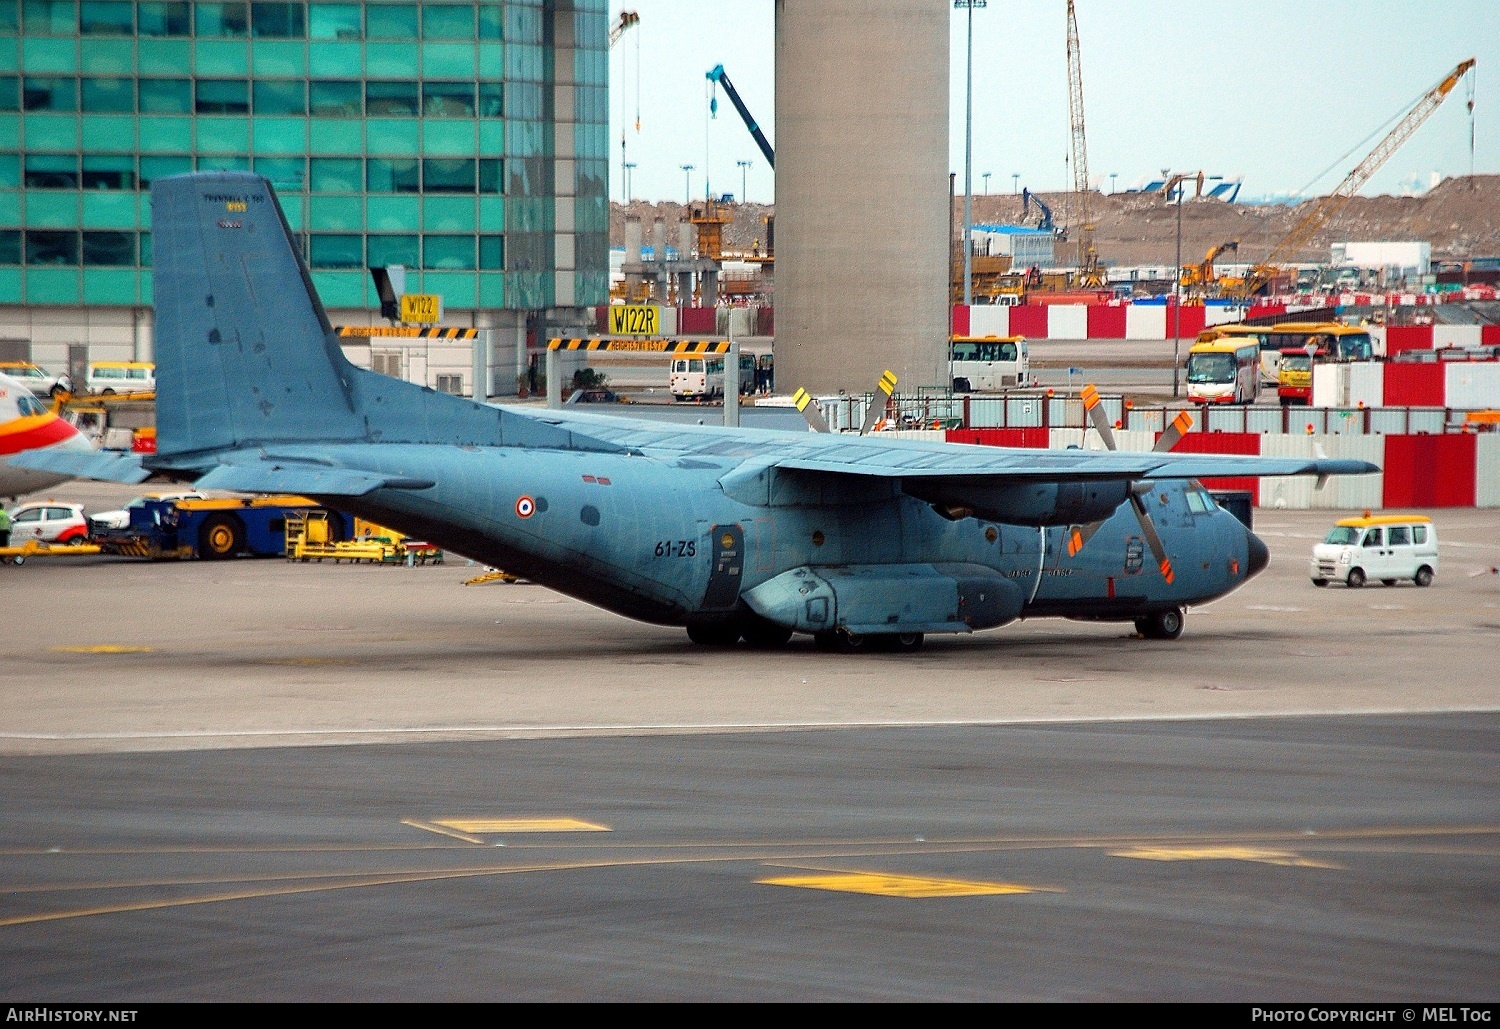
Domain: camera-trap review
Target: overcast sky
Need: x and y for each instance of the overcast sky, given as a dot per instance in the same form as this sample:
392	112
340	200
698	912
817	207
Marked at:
1289	94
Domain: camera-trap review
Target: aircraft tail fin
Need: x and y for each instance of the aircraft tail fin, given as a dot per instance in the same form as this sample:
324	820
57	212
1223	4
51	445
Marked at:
244	350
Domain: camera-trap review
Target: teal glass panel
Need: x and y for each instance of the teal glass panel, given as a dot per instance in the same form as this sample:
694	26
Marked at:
53	285
223	135
278	20
491	61
393	214
336	251
491	100
169	57
51	209
280	135
332	136
51	132
51	171
491	21
275	57
164	19
392	99
391	60
229	19
221	96
110	210
336	214
291	205
110	249
341	289
448	175
223	162
109	286
10	246
383	250
335	98
10	178
492	137
448	214
287	174
10	285
448	61
393	136
106	18
458	289
166	135
390	21
335	61
10	54
222	57
445	253
279	96
108	57
113	95
333	21
492	176
491	289
447	21
146	247
450	98
49	55
449	137
108	132
492	214
10	132
492	253
153	168
146	294
337	175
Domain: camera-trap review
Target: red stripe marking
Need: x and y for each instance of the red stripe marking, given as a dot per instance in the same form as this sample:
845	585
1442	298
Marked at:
32	432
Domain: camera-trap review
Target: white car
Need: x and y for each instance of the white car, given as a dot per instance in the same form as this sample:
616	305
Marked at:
120	519
1391	548
48	521
36	378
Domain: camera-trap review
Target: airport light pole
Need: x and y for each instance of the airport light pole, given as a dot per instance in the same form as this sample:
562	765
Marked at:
687	179
1112	176
744	189
1015	182
1175	182
629	196
969	5
986	178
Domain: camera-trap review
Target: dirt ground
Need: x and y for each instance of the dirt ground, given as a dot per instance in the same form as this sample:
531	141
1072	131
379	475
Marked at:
1460	218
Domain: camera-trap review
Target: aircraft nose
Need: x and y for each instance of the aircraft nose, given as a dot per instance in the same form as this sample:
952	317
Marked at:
1260	556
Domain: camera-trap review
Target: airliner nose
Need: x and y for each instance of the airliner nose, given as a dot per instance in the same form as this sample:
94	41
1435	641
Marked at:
1259	555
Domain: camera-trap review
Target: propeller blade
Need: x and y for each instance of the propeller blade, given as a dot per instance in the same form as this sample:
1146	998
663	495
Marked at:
1148	529
805	404
876	410
1078	535
1095	409
1179	427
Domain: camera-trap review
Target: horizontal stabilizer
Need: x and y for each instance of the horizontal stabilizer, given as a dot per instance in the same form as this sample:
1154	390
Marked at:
308	480
106	466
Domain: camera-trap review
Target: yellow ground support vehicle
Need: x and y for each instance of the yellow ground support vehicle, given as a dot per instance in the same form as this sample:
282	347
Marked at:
311	536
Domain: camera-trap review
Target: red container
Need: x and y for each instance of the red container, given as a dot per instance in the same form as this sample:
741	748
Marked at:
1407	337
1029	321
1430	471
1106	322
960	320
1414	385
1034	437
697	321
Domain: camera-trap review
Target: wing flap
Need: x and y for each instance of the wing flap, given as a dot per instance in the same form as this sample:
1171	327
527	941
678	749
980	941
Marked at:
106	466
308	480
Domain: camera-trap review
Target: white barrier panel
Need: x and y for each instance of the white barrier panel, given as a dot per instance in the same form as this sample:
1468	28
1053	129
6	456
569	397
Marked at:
1068	321
1135	441
1455	336
1085	439
989	320
1217	314
938	435
1146	322
1472	385
1342	492
1366	384
1377	339
1487	470
668	321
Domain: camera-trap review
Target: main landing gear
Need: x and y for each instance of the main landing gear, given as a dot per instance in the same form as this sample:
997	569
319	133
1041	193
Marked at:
1160	625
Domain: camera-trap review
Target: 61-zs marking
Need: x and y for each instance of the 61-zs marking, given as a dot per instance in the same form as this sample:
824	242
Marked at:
677	548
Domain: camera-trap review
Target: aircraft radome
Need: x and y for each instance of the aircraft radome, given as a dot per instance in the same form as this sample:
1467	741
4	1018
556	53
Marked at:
27	426
860	541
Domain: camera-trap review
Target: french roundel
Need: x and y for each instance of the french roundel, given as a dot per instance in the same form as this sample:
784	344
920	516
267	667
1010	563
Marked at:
525	507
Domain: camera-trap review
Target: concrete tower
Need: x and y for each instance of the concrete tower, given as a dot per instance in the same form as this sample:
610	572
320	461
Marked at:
861	193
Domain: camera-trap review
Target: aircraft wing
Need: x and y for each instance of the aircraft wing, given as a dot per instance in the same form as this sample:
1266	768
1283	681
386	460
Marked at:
303	479
104	465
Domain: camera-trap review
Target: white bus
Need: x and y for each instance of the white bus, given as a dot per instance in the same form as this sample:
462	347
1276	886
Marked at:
987	364
696	378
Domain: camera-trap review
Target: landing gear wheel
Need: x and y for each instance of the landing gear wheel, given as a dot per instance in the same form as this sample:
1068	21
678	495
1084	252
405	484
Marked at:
764	635
905	642
220	537
713	635
1161	625
1320	582
1356	578
1423	576
840	642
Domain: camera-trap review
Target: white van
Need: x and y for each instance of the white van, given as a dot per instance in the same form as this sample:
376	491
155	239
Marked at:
109	377
1385	547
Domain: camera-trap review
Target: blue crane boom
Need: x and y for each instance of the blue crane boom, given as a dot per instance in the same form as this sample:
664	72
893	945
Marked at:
717	77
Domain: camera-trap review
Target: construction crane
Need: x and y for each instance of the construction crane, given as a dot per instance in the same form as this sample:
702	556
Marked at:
1324	210
1089	275
1198	279
1044	222
718	78
623	22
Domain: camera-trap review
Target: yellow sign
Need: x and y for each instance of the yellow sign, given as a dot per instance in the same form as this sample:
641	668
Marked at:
421	308
634	320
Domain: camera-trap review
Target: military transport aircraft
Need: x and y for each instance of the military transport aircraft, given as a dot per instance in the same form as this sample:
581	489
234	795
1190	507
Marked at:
860	541
26	426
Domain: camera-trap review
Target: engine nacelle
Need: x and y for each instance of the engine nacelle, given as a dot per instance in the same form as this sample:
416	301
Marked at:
873	599
1023	503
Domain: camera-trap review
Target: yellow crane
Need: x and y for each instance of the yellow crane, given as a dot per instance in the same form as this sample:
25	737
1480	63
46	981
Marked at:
1324	210
1089	274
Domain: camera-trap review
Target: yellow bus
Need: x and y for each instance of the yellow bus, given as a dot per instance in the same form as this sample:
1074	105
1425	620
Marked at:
1341	342
1224	371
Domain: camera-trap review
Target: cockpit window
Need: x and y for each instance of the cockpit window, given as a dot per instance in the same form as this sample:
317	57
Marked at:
29	404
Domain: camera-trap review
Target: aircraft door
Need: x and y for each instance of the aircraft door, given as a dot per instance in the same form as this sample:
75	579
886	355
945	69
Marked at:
728	554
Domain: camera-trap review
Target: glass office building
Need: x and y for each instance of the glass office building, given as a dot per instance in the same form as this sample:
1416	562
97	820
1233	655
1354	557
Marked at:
466	142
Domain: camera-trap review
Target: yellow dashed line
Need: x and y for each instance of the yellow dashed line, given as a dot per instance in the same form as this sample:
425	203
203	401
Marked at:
896	885
1264	856
498	825
103	648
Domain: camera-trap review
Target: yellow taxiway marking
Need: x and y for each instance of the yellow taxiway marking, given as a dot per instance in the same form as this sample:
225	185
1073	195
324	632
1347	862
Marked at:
103	648
896	885
1263	855
497	825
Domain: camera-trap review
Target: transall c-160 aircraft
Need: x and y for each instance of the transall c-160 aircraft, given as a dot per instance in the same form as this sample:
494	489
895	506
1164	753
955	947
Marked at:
859	541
